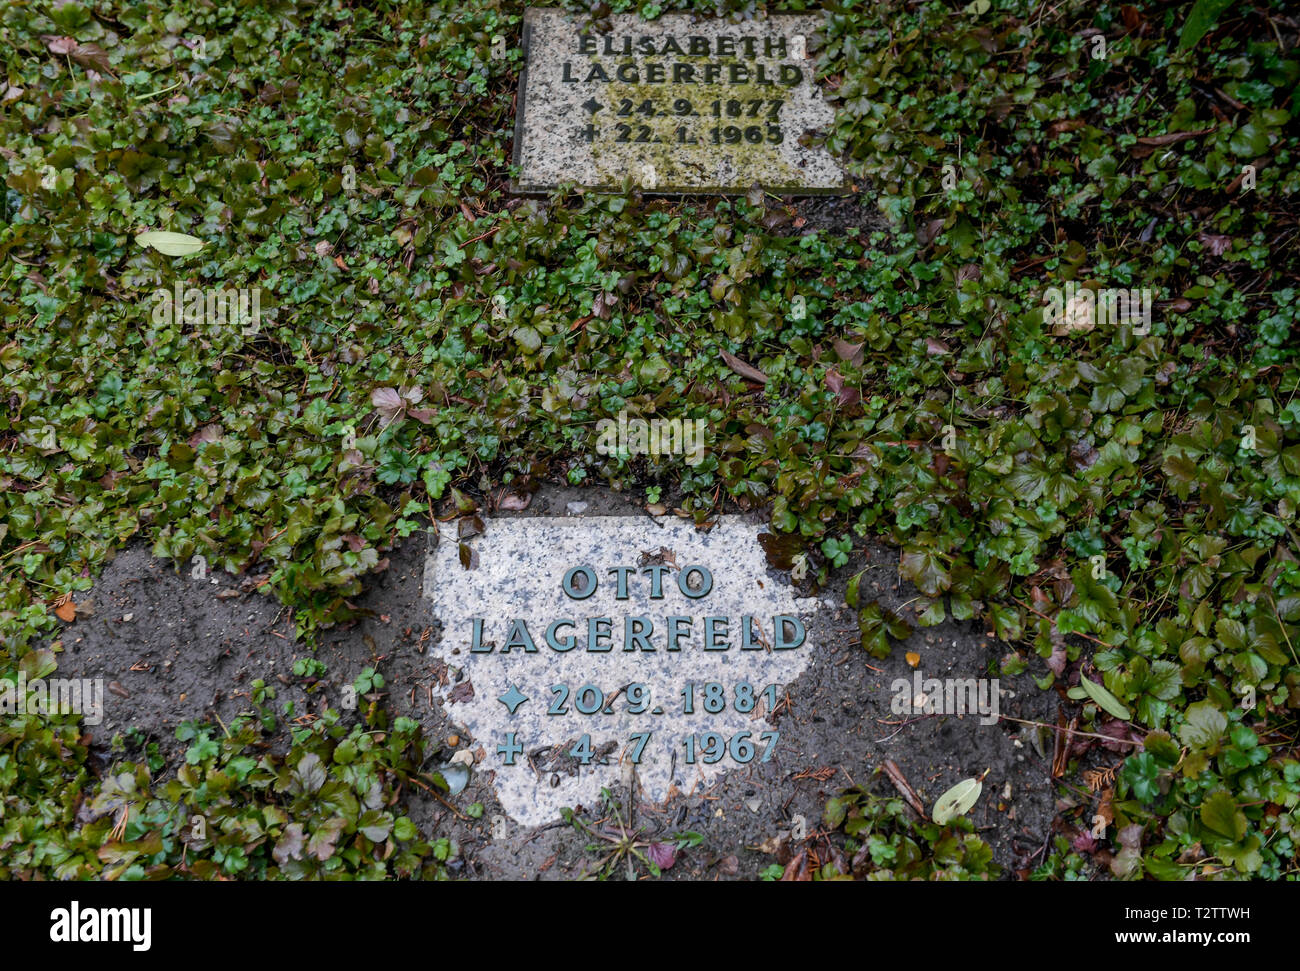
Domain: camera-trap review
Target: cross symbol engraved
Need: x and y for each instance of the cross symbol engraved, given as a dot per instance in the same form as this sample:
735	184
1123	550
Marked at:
590	132
510	749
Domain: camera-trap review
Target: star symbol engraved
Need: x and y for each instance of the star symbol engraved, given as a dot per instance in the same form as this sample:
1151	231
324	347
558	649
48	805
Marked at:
513	698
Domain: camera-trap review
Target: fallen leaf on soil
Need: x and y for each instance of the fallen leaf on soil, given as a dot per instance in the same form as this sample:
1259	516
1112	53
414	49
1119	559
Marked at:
92	55
928	231
1125	738
1173	137
797	869
1058	658
903	786
662	855
1104	808
1148	144
1067	124
743	369
66	611
388	403
957	801
59	45
852	353
845	394
87	55
1061	743
1214	243
1129	858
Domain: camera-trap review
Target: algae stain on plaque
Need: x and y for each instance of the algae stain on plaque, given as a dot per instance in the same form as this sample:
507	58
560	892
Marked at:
682	150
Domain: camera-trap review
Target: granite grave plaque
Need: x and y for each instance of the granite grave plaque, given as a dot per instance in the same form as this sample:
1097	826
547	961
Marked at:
681	104
582	651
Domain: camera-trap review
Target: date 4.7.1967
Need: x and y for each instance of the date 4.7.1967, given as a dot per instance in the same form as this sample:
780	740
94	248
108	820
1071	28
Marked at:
707	747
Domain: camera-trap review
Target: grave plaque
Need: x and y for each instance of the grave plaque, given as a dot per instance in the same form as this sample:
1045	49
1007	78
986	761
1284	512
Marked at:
678	105
580	651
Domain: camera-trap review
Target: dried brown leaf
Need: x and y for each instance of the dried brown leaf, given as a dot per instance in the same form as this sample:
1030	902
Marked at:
747	371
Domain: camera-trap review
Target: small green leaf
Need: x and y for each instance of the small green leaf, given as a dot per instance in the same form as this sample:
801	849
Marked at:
1200	20
957	801
37	664
925	569
1106	701
170	244
1203	725
1162	747
835	812
1219	812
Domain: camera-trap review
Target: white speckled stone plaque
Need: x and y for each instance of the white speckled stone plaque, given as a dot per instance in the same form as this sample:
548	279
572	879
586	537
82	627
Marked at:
681	104
596	646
